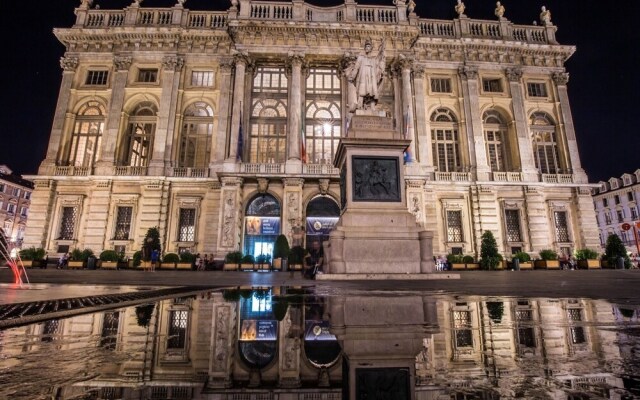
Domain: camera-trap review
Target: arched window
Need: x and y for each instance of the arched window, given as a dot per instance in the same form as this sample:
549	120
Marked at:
322	216
323	118
138	142
545	147
195	138
444	140
495	132
262	225
268	122
87	135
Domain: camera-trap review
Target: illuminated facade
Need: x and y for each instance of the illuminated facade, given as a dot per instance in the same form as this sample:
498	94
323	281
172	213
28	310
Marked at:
220	128
15	201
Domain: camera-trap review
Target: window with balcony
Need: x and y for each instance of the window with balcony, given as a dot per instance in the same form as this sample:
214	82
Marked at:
440	85
97	78
495	132
187	225
454	226
561	226
138	141
512	222
268	117
195	139
68	223
202	78
445	145
123	223
87	135
147	75
323	115
537	89
545	147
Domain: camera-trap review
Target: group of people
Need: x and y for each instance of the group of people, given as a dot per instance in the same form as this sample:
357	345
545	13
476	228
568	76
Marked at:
202	263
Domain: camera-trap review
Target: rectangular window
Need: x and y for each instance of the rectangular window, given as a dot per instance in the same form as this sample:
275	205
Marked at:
630	196
177	330
512	220
187	225
440	85
526	335
535	89
620	216
27	195
462	328
492	85
454	226
2	187
148	75
616	199
16	192
68	223
98	78
605	202
123	223
109	335
11	208
562	228
577	332
634	213
607	218
50	330
24	212
202	78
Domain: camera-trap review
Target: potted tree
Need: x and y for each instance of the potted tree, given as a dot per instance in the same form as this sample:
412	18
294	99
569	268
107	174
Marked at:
136	260
247	263
150	245
32	257
296	258
232	261
280	252
489	256
548	260
455	261
524	259
614	250
587	258
79	258
187	259
109	259
170	260
263	262
470	262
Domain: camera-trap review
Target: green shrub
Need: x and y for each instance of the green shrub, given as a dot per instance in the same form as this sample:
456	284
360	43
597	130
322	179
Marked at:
248	259
281	248
233	257
586	254
489	256
109	255
81	255
495	309
296	256
548	255
152	240
171	258
263	259
522	256
32	253
187	257
468	260
454	258
615	249
137	258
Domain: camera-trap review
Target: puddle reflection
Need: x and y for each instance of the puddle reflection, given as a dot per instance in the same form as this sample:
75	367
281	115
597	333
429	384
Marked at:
289	343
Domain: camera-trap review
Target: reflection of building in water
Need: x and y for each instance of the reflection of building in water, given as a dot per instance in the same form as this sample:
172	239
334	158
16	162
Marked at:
192	348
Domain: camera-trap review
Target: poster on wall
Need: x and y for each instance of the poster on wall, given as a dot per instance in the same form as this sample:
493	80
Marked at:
321	225
262	225
252	225
317	330
259	330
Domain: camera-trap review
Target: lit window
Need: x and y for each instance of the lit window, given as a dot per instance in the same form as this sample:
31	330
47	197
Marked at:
323	118
187	225
462	328
444	141
87	135
138	143
495	131
562	229
545	148
512	220
68	223
109	334
195	139
177	329
454	226
123	223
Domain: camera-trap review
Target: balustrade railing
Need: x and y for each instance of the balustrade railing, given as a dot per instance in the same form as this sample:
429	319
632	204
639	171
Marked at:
256	168
557	178
182	172
437	28
319	169
499	176
129	171
453	176
155	17
271	11
72	171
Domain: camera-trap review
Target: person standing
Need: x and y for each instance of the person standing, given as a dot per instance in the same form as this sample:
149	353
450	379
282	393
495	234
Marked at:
314	260
155	255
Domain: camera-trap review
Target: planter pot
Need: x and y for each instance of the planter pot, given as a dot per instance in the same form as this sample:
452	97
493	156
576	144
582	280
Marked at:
547	264
295	267
230	267
76	264
33	263
108	265
455	266
184	266
526	265
246	267
277	264
605	264
263	267
473	266
589	264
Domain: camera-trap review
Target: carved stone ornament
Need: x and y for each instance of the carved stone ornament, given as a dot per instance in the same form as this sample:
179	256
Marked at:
293	210
221	355
122	63
346	63
229	220
136	3
560	78
418	71
231	181
468	72
404	62
68	63
293	182
242	58
234	4
180	3
173	63
513	74
226	65
375	179
323	186
86	3
263	185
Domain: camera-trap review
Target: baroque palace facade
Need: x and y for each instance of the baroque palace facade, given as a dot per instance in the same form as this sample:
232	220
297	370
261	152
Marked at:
220	128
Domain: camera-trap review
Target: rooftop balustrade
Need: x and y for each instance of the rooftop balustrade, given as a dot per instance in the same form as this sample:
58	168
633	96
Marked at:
135	16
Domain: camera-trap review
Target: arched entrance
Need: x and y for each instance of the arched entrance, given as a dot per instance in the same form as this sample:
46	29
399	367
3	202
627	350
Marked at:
261	225
322	215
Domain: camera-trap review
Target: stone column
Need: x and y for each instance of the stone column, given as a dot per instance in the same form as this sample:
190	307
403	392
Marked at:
584	225
292	211
473	122
347	61
242	61
69	66
163	141
294	66
224	106
573	158
525	148
112	129
423	137
405	65
222	345
538	223
230	224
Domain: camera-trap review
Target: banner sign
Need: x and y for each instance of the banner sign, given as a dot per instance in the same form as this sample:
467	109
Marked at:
317	330
259	330
321	225
262	225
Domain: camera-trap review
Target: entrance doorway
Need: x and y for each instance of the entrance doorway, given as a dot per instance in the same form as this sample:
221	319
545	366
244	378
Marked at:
261	225
322	215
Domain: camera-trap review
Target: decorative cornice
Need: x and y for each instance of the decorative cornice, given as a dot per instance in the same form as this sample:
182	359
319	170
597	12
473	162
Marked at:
173	63
226	65
293	182
560	78
415	183
513	74
69	63
122	63
231	181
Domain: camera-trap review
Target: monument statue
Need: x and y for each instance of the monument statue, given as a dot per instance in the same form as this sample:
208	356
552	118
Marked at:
460	8
366	74
412	6
499	10
545	16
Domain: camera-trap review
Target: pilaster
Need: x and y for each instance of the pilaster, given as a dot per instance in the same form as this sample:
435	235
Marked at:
96	214
292	207
586	233
423	136
290	348
405	64
415	199
241	61
224	106
222	345
295	62
536	211
473	122
41	209
230	212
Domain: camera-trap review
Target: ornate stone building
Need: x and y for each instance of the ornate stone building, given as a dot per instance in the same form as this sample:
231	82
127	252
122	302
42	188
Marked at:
15	201
220	128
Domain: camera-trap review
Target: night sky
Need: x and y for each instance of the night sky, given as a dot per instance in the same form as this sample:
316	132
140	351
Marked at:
603	87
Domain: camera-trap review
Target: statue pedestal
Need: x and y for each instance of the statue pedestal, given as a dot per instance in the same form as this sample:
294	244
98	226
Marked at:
376	234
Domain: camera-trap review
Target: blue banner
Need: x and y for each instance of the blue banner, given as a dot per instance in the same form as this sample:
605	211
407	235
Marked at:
321	225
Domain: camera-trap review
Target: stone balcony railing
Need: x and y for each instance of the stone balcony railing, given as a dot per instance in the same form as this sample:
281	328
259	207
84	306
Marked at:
453	176
507	176
251	10
72	171
557	178
180	172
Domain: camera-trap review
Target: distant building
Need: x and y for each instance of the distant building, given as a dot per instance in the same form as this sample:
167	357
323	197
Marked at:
616	203
220	127
15	199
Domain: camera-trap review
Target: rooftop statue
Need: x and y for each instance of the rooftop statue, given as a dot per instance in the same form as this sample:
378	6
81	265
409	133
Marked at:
545	16
460	8
366	74
411	6
499	10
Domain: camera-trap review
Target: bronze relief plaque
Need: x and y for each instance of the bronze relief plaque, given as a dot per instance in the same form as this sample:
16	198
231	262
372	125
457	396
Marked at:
376	178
